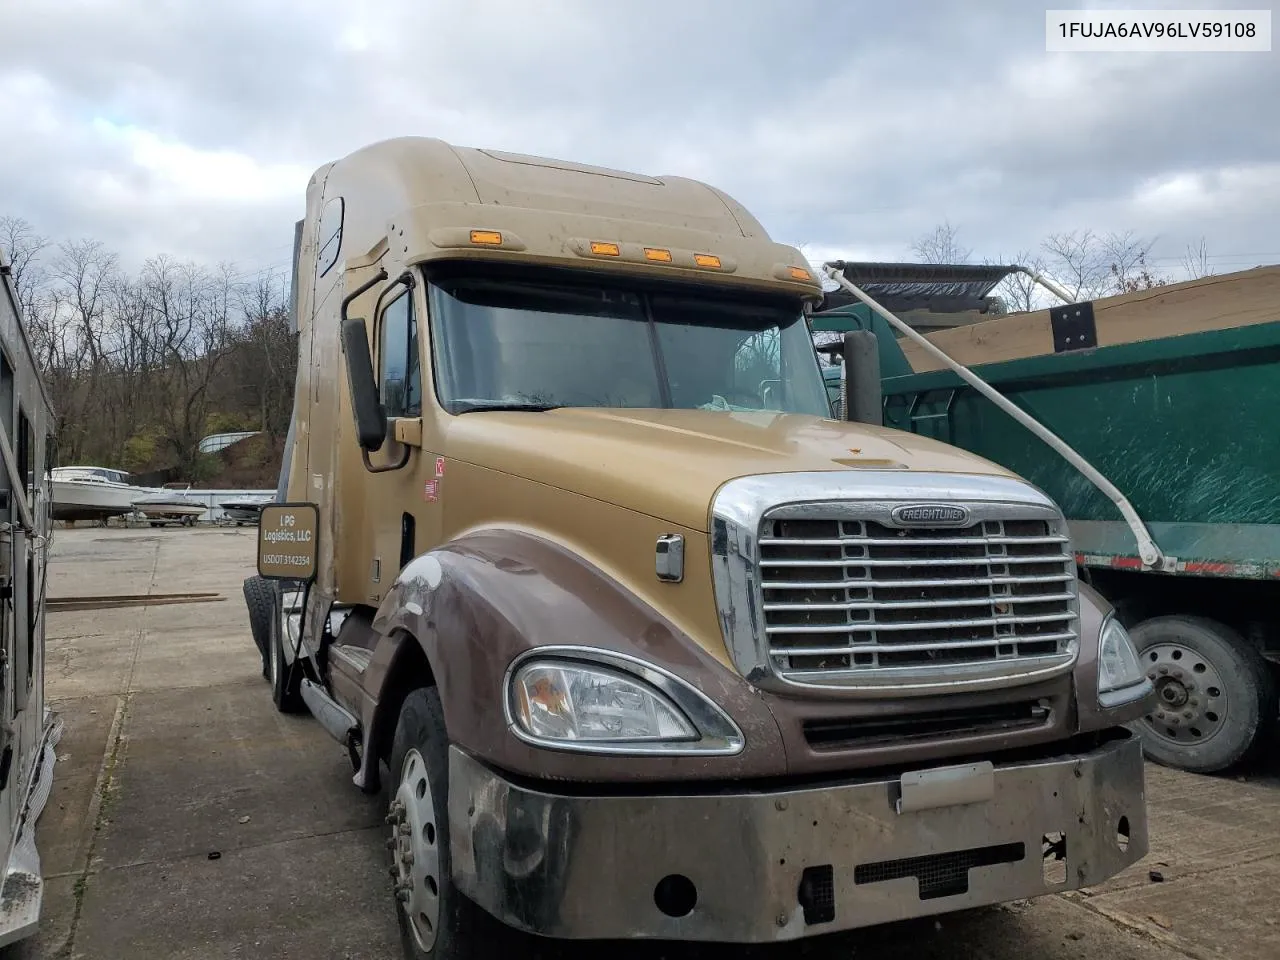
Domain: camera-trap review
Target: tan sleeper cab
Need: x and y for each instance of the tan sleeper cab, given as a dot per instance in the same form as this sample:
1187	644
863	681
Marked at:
598	579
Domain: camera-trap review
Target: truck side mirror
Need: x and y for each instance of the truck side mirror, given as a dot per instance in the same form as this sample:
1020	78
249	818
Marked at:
371	422
862	393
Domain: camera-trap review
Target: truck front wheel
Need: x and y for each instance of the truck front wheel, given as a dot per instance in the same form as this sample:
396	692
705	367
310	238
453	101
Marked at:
436	920
259	598
1214	693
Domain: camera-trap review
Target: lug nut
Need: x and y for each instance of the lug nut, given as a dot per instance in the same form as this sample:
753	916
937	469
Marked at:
406	829
407	858
402	896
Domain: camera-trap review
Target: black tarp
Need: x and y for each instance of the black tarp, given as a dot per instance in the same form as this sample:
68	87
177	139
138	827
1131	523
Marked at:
932	287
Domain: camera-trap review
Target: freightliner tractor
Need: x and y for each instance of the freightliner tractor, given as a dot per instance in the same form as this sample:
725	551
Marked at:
637	639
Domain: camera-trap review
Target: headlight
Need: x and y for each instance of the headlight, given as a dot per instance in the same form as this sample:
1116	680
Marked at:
590	700
1120	676
577	702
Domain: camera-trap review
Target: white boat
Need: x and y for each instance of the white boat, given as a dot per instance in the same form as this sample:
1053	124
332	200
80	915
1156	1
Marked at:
167	506
92	493
244	509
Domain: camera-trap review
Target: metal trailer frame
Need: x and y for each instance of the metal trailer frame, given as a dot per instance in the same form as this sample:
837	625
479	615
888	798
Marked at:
29	732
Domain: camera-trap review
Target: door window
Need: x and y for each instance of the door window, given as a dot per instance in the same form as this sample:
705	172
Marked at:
400	372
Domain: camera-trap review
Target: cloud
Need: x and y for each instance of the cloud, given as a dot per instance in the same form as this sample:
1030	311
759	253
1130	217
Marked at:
178	172
192	129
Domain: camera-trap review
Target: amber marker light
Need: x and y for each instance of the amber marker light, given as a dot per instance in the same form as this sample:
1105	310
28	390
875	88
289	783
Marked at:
488	238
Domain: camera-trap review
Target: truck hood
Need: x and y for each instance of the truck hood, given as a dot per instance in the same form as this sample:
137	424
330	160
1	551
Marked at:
670	463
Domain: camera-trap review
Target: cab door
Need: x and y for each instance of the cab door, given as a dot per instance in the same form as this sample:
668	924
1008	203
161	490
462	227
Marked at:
401	503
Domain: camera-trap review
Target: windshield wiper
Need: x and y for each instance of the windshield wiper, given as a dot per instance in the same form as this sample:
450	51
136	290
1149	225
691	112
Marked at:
472	406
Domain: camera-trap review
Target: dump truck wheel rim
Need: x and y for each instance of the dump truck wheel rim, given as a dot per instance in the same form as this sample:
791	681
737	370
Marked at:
1191	699
417	854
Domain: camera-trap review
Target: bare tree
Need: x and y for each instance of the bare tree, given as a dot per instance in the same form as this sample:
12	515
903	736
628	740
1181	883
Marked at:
1127	262
1018	291
267	360
142	365
193	316
1092	266
64	316
1195	262
22	247
942	245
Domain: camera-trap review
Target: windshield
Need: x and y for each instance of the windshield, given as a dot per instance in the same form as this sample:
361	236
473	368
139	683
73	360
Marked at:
501	343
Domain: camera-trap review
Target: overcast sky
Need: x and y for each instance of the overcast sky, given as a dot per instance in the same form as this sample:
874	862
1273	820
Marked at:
191	128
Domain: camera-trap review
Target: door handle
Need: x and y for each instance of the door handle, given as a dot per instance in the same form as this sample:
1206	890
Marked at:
408	431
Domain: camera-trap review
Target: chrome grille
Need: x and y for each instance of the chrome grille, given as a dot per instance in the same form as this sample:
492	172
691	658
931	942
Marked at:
854	597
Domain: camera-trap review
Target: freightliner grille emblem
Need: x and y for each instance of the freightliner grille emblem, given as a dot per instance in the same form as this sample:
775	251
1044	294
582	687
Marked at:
931	515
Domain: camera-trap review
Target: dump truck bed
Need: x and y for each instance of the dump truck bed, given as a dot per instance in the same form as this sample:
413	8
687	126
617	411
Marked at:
1183	423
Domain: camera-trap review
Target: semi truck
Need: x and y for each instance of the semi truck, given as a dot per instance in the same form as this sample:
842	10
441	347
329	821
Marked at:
1168	393
635	638
29	731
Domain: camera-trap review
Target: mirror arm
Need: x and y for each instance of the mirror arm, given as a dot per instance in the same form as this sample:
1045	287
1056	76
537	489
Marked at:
405	450
362	289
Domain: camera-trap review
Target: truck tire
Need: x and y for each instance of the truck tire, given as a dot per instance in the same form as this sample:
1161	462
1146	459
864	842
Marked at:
436	920
286	683
258	597
1215	695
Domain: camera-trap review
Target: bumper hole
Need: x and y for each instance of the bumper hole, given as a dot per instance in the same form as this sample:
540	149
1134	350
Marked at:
1055	859
675	895
1122	834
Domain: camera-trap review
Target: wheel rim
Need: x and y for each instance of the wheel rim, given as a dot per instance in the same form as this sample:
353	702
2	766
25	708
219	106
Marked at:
1191	699
415	851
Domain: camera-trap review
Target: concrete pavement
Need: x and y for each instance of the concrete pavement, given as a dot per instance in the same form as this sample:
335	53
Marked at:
189	819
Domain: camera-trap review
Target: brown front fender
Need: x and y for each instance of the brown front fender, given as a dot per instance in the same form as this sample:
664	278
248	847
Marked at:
478	602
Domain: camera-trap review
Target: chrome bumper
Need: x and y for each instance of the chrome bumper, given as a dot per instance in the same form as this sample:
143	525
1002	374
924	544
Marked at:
767	866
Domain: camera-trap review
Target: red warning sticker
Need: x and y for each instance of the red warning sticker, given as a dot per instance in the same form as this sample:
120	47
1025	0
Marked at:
431	490
439	467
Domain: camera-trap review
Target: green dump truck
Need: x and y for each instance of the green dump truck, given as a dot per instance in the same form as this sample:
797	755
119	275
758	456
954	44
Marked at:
1169	394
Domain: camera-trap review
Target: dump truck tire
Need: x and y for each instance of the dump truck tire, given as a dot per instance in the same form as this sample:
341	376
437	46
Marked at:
258	597
446	925
1215	695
